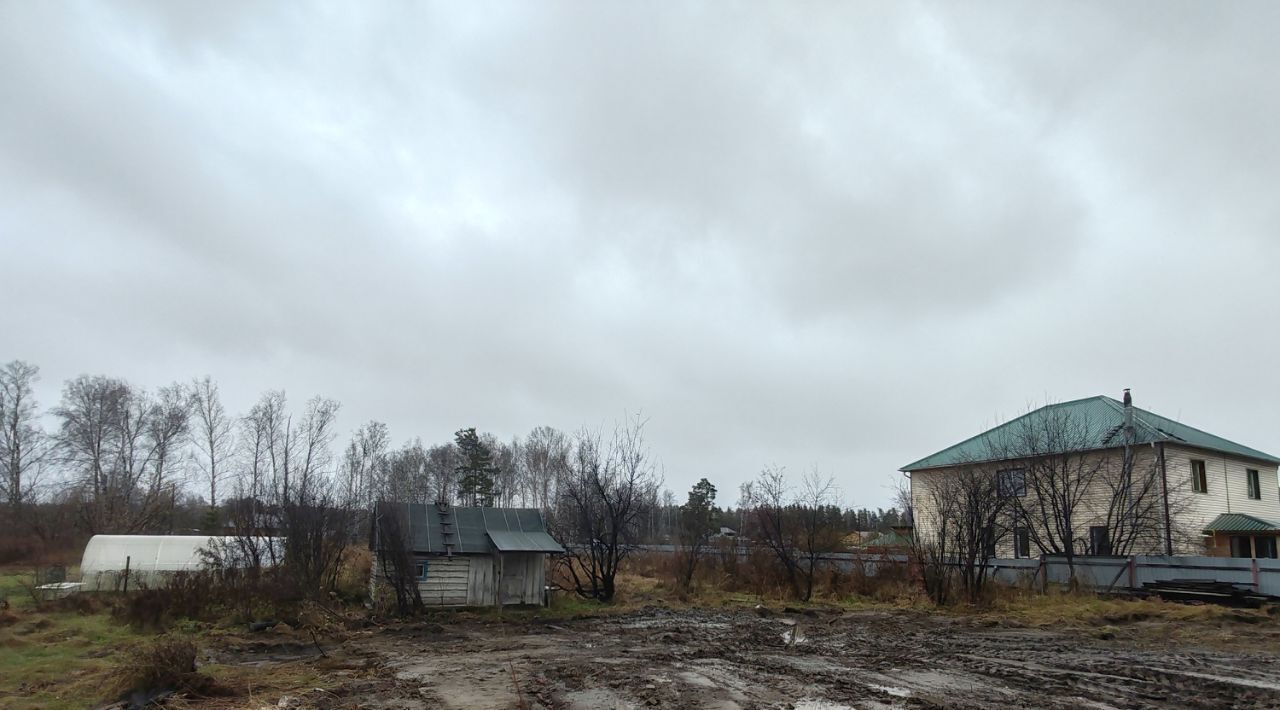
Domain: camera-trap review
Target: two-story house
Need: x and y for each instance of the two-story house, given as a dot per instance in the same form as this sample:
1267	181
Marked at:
1160	485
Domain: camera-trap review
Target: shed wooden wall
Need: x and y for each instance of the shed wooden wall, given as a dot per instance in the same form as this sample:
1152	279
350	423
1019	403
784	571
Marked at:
448	579
481	580
522	577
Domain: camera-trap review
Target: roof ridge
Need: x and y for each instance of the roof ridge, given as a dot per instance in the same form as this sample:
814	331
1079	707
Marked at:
1155	431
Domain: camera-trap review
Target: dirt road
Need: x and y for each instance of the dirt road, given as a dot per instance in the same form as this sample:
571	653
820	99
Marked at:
738	659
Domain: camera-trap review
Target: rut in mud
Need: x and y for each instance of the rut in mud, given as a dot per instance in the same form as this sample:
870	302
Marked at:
737	659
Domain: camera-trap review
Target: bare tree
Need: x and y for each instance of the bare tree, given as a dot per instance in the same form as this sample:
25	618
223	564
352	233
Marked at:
794	527
1054	478
364	457
22	442
212	435
972	508
544	463
602	504
441	470
122	444
931	537
817	533
765	502
394	555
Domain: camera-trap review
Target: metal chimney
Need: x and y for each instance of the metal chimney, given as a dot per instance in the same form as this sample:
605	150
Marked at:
1128	415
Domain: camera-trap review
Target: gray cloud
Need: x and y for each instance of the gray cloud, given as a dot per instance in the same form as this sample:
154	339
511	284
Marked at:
797	234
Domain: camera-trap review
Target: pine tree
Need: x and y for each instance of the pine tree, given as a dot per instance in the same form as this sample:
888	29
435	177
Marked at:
477	472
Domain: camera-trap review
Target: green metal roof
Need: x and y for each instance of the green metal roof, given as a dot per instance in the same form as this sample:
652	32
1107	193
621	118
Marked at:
516	541
1239	522
473	530
1101	422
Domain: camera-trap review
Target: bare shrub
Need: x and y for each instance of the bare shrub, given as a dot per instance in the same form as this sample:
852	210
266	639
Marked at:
166	665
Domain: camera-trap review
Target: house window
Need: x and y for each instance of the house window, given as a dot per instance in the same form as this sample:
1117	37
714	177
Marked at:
1099	540
1261	546
420	570
988	542
1021	543
1012	483
1199	481
1255	487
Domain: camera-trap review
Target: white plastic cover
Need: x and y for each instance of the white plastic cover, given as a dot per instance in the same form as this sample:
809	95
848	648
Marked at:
105	556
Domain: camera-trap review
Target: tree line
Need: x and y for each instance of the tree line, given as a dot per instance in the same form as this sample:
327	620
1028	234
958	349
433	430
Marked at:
120	458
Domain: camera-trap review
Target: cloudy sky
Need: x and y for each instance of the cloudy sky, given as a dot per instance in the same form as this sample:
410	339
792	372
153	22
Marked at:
839	235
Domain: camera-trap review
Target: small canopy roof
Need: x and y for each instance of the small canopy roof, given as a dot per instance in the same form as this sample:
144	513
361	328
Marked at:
515	541
1239	522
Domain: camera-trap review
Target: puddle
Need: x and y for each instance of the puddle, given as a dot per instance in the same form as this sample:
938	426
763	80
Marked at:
891	690
597	699
696	679
814	704
793	635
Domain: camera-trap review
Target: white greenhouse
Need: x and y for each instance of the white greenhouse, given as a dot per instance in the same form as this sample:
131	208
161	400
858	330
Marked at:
151	559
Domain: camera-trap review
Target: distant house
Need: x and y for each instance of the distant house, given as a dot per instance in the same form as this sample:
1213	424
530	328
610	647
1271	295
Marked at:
1217	497
473	556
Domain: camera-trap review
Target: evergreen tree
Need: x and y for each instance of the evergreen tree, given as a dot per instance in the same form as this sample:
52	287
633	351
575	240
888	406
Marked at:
477	473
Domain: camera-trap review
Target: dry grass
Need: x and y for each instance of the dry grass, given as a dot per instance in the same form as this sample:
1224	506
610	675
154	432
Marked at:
58	659
1080	609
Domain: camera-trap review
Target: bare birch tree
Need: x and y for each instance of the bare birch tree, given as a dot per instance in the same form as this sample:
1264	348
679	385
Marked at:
123	446
23	446
212	437
365	456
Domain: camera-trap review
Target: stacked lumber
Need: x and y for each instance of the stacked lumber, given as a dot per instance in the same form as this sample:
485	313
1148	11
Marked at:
1208	590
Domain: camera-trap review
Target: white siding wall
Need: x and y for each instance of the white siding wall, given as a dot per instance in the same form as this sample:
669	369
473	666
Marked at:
1228	489
1092	509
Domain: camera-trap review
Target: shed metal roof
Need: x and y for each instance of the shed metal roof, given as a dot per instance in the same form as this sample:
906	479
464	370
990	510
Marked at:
515	541
523	529
1101	420
1240	522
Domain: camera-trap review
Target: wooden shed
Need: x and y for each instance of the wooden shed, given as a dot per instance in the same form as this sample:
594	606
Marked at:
473	556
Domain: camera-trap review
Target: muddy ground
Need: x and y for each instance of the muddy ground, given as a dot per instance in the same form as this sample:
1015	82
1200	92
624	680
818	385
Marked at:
815	661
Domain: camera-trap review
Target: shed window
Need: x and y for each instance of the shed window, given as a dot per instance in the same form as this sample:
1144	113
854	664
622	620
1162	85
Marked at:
1012	483
420	570
1264	546
1199	480
1255	488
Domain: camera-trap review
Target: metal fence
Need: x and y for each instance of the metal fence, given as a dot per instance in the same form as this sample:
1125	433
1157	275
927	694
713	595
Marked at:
1098	573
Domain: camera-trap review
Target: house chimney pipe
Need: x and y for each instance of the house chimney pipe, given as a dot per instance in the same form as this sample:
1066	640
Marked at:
1128	411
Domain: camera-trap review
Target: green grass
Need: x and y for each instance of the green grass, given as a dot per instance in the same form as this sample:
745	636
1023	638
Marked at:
13	587
58	659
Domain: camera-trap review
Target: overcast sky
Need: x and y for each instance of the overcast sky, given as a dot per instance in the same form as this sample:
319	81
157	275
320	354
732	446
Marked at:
844	235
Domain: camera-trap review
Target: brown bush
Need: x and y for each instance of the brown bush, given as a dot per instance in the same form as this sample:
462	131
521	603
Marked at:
354	572
166	665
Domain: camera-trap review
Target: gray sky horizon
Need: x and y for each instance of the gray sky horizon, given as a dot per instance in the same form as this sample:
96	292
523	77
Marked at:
832	235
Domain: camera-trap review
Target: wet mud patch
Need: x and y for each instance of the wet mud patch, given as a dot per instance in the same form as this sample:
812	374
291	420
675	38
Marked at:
735	660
